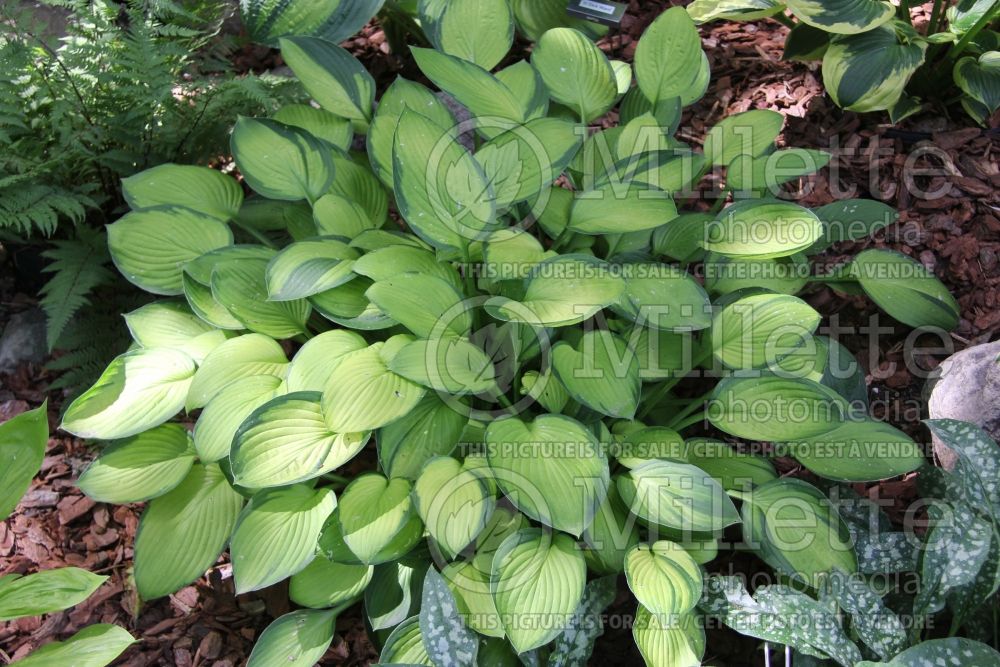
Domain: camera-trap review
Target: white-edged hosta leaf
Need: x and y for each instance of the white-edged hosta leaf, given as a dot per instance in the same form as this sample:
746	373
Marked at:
757	330
478	90
334	77
150	247
286	440
182	533
320	123
762	230
480	31
237	358
373	510
45	592
846	17
454	504
394	593
241	286
95	646
449	643
537	583
172	324
663	577
219	421
297	639
749	133
201	189
281	161
362	394
905	289
574	645
668	56
553	469
276	534
141	467
405	646
22	450
313	363
676	495
323	583
606	211
602	373
869	71
576	72
138	390
950	651
446	364
432	428
309	267
668	641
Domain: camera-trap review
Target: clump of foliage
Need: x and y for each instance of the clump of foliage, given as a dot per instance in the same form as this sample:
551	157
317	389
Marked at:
128	86
518	344
873	57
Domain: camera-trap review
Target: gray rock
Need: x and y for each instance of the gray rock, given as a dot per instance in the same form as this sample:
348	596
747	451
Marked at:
967	387
23	340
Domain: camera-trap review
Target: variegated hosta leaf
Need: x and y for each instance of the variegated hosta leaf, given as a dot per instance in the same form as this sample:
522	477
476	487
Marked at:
323	583
373	510
602	373
534	17
394	594
309	267
315	360
965	14
577	73
138	390
286	440
222	417
663	297
297	639
281	161
859	451
200	189
979	78
241	357
846	17
320	123
454	504
674	640
241	285
606	210
537	582
762	230
432	428
449	643
905	289
471	588
141	467
276	534
172	324
752	332
951	651
668	56
334	78
405	646
426	305
611	535
868	71
703	11
267	20
677	495
94	646
45	592
664	578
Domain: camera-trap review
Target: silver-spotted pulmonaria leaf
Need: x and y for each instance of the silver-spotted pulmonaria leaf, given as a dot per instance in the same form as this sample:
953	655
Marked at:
573	646
276	534
779	614
448	641
141	467
95	646
22	450
677	495
601	372
553	469
537	583
334	78
703	11
757	330
244	356
675	640
137	391
267	20
182	533
845	17
977	470
664	578
373	510
297	639
877	626
576	72
455	504
201	189
45	592
762	230
668	56
869	71
905	289
956	651
281	161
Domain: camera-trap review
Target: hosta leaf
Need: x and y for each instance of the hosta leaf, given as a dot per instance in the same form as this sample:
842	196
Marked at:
524	81
604	211
356	183
602	372
426	305
441	190
671	641
448	641
362	394
859	451
471	587
372	512
323	583
22	450
845	17
677	495
906	290
734	470
348	306
309	267
432	428
575	643
478	90
661	354
241	357
562	290
46	591
172	324
320	123
757	330
537	575
480	31
391	261
315	360
395	591
141	467
333	546
297	639
762	229
776	409
552	469
610	536
852	219
951	651
535	17
664	578
448	365
749	133
405	646
868	71
577	73
281	161
241	286
219	421
182	533
964	14
703	11
668	56
138	390
334	78
664	297
150	247
266	20
201	189
94	646
334	215
784	275
276	534
286	440
765	175
453	503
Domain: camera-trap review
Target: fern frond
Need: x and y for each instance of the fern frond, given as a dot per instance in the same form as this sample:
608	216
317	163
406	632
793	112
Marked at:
78	267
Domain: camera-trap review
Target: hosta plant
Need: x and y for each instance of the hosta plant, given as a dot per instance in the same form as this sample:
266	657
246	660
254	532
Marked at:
452	376
875	59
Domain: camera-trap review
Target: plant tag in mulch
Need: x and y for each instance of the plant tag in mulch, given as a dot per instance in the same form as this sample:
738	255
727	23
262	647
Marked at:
605	13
